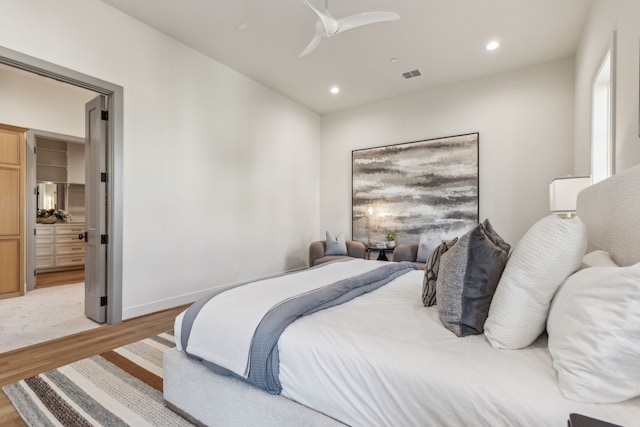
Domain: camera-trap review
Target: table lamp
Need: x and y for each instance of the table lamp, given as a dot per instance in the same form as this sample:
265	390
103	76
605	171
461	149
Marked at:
563	194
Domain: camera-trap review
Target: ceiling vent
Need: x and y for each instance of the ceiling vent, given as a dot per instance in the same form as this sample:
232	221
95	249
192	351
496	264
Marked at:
412	74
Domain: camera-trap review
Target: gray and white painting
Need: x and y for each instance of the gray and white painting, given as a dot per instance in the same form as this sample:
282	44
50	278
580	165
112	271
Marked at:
419	187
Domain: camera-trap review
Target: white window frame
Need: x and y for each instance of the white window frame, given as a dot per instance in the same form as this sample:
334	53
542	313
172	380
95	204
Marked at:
603	116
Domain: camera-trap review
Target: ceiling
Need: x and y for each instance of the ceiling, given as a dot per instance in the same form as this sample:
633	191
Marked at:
444	39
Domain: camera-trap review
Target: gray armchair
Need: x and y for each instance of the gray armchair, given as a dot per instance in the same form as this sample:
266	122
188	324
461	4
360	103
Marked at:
408	253
317	249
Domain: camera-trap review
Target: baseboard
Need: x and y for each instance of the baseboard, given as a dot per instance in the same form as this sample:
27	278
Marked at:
159	305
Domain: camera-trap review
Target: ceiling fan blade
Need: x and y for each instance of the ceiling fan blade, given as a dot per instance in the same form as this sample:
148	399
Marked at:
311	46
365	18
329	23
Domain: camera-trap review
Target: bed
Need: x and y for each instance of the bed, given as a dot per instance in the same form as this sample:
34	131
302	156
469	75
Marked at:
383	359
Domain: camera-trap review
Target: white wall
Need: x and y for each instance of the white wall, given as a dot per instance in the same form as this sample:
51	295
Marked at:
605	17
35	102
218	170
525	121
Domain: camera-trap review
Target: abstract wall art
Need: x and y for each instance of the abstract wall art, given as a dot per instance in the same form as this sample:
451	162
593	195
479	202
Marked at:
423	187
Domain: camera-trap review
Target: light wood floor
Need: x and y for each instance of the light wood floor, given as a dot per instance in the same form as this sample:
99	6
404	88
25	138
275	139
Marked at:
57	278
36	359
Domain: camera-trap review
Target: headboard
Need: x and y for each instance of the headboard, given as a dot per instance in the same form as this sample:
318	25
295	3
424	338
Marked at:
610	210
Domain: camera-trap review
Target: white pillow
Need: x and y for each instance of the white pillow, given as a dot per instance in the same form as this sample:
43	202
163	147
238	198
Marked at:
546	255
594	334
598	258
426	246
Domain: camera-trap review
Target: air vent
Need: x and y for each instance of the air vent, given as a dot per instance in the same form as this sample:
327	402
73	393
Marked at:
412	74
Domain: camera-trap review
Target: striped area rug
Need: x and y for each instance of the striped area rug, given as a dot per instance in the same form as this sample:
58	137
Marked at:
122	387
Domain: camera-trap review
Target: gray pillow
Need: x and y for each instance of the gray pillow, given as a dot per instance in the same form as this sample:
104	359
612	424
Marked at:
495	238
468	277
426	246
336	245
431	273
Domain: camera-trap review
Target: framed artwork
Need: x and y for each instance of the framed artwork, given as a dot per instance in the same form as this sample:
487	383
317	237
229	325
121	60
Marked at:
423	187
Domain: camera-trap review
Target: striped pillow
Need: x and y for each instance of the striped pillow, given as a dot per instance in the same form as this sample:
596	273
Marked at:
431	273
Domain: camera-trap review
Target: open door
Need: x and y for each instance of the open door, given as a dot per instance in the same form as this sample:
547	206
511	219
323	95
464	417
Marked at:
30	207
96	239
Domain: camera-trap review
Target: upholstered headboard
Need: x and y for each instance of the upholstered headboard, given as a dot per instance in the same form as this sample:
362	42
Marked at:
610	211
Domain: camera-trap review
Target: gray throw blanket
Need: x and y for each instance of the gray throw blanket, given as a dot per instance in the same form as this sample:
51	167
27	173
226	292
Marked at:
264	358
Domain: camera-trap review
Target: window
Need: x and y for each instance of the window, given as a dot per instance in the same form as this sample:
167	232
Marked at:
602	118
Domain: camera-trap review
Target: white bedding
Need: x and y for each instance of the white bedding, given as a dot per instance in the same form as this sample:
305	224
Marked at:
384	359
233	316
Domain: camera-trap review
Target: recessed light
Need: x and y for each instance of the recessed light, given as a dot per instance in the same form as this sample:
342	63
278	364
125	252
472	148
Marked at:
393	60
243	26
334	90
493	45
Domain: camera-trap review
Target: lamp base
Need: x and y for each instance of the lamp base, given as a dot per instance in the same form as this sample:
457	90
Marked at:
567	215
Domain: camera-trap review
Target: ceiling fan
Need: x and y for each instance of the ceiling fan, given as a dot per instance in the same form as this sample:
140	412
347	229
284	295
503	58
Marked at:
327	25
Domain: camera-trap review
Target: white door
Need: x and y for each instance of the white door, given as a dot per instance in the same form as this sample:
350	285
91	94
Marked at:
96	239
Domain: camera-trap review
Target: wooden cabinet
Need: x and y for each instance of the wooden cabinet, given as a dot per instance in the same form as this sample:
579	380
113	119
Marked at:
45	253
58	246
69	248
11	211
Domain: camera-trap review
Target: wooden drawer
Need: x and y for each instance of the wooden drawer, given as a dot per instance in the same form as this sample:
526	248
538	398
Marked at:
44	240
44	262
73	230
74	249
44	250
44	230
67	238
69	260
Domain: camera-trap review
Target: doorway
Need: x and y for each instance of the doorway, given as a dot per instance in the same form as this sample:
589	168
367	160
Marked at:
55	186
111	264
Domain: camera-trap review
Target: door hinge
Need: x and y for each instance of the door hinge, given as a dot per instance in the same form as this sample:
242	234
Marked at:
104	239
104	115
104	177
35	150
103	301
34	273
34	231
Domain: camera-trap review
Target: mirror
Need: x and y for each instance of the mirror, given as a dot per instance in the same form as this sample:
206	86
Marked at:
52	196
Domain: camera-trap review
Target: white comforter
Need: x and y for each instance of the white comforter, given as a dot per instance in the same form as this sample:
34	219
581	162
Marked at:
233	316
385	360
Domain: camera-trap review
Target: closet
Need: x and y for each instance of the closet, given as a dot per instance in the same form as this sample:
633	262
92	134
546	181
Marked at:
59	232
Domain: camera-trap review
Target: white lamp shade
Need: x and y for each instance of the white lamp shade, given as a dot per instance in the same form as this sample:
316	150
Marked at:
563	193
